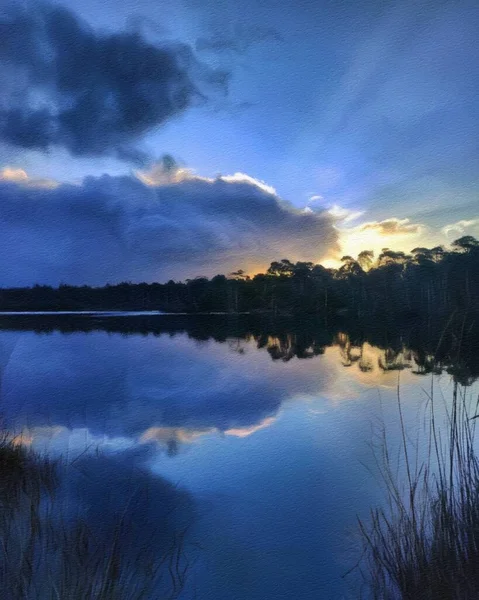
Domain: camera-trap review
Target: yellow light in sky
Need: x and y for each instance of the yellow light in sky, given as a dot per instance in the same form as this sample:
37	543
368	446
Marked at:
353	242
331	263
371	236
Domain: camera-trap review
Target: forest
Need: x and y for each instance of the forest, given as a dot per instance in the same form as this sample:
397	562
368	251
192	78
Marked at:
425	283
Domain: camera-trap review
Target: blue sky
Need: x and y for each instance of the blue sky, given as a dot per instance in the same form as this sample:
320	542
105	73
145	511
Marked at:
369	108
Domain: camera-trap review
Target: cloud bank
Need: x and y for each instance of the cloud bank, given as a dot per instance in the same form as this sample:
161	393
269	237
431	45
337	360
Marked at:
112	229
463	227
63	84
392	226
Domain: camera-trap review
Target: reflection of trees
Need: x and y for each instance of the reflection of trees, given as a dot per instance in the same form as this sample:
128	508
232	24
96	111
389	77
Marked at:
424	346
425	363
287	346
349	353
387	359
236	345
422	351
394	360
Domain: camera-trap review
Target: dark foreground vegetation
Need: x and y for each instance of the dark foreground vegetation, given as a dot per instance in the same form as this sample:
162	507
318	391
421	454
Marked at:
425	543
425	282
49	550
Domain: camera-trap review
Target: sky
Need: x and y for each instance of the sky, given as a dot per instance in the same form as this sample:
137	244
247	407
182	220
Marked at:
144	141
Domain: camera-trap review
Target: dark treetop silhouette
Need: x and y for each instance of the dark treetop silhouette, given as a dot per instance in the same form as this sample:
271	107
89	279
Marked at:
425	283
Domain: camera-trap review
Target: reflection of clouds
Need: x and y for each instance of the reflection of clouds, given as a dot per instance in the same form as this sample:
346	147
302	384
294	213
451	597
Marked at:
73	442
122	386
167	435
70	442
20	177
116	392
246	431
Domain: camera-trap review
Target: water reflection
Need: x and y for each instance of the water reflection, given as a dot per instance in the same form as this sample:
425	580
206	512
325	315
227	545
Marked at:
64	534
171	437
443	344
158	387
255	432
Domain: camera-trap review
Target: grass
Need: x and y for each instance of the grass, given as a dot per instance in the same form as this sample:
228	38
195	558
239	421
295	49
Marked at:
46	556
424	545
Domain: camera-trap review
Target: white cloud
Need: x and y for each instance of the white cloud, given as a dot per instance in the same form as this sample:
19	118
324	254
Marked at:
392	226
344	215
460	228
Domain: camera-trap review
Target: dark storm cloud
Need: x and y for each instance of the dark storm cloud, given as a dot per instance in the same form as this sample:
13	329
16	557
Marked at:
93	93
117	228
239	41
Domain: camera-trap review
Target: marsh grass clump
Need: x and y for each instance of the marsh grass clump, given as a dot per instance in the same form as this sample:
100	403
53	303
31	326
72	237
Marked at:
424	545
48	554
22	471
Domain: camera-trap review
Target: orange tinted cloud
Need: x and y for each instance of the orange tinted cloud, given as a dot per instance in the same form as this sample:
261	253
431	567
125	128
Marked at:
392	226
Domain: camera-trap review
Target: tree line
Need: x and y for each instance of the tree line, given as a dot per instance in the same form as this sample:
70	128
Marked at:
426	282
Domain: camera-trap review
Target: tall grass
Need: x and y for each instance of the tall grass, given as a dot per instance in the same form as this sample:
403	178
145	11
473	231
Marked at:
424	545
47	555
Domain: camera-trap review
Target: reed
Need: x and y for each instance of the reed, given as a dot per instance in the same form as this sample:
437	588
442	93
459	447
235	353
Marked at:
47	555
424	543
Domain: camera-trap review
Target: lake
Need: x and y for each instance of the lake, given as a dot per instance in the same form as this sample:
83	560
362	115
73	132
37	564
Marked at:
256	441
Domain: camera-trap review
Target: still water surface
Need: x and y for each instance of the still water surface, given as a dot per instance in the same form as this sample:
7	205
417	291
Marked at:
265	456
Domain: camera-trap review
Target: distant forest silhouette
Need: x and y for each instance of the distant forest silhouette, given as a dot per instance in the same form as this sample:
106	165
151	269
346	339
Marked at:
424	283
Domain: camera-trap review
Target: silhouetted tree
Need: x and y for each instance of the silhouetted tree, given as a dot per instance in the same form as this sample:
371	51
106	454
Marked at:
426	283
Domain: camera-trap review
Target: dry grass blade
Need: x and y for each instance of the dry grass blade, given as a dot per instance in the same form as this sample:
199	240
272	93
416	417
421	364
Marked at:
46	556
426	544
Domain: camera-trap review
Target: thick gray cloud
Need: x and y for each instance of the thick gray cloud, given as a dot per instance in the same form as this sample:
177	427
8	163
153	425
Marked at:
112	229
63	84
238	40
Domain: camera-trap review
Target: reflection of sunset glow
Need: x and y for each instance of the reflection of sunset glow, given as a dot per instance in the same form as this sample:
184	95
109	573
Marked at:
347	368
16	175
28	436
246	431
21	177
163	435
288	347
371	359
58	438
23	439
166	435
366	367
